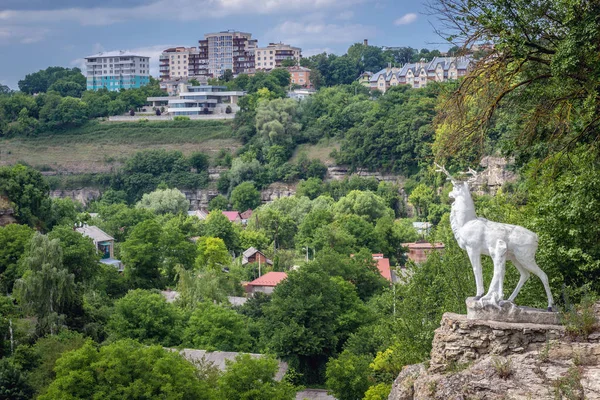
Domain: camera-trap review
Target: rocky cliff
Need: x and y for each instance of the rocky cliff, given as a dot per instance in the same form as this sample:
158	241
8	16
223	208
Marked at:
477	359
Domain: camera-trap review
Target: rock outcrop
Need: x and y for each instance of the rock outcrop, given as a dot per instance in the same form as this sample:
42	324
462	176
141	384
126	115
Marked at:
478	359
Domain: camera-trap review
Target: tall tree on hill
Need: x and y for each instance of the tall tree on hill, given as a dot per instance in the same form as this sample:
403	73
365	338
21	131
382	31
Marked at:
47	287
142	255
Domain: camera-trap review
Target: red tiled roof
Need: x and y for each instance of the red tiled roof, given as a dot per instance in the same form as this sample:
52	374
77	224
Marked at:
383	265
269	279
232	215
246	214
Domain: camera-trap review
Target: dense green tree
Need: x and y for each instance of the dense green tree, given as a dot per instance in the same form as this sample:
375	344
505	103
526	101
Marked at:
348	376
13	384
218	202
282	75
245	196
79	254
275	122
42	80
195	287
309	318
199	160
163	201
14	240
177	249
212	254
125	369
142	255
67	88
63	211
217	225
366	58
27	190
394	133
145	316
254	378
363	203
118	220
421	198
44	354
46	287
213	327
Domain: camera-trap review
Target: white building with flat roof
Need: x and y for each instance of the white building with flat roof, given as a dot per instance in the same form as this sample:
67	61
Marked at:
115	70
197	100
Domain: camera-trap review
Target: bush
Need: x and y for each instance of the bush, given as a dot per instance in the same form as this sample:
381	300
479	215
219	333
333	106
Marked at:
181	118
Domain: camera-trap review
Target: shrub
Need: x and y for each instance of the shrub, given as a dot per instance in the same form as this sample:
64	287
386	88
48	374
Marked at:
181	118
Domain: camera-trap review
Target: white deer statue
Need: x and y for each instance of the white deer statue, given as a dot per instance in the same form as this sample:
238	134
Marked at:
499	241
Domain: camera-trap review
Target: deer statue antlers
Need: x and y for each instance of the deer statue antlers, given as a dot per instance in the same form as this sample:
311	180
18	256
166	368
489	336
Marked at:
440	168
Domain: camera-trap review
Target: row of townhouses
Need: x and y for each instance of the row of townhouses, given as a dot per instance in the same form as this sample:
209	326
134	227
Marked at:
418	75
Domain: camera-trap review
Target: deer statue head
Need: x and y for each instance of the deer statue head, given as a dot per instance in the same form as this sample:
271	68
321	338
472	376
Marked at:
460	188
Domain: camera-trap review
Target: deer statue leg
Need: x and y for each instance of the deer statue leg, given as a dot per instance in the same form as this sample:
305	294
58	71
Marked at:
496	289
475	258
524	277
530	265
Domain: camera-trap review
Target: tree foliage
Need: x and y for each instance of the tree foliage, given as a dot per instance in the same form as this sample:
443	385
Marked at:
163	201
146	317
47	287
125	369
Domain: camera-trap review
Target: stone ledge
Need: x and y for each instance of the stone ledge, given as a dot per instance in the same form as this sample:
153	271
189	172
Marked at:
509	312
460	340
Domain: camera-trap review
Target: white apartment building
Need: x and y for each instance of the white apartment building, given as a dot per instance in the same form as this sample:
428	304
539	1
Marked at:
267	58
115	70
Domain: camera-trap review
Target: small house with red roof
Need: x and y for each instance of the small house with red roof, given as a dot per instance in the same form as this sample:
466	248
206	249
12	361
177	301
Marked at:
233	216
266	283
246	215
383	265
418	251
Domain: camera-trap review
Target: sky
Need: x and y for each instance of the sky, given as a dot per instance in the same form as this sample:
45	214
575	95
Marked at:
35	34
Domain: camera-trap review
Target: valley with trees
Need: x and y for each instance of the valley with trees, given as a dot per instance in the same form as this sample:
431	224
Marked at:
72	327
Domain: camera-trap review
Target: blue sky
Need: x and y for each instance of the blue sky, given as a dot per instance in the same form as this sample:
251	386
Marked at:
35	34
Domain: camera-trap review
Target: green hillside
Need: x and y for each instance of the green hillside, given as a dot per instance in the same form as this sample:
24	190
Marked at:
98	147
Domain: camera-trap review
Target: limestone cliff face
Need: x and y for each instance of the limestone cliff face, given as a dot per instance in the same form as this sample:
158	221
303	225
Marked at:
501	361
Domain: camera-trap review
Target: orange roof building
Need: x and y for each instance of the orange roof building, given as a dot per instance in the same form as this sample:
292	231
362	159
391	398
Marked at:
265	283
383	265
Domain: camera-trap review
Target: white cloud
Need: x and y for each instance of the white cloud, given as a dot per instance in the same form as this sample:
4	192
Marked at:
319	33
406	19
171	9
21	34
345	15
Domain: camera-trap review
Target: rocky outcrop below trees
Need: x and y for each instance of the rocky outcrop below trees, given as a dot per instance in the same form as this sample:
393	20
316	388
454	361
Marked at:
478	359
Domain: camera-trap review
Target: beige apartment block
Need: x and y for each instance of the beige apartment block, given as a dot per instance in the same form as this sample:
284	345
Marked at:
267	58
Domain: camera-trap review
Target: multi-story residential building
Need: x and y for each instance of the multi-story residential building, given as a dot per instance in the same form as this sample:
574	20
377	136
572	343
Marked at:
181	62
300	76
267	58
117	70
419	74
196	100
228	50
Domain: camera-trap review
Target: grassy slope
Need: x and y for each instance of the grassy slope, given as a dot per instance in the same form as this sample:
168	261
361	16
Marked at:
99	147
319	151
